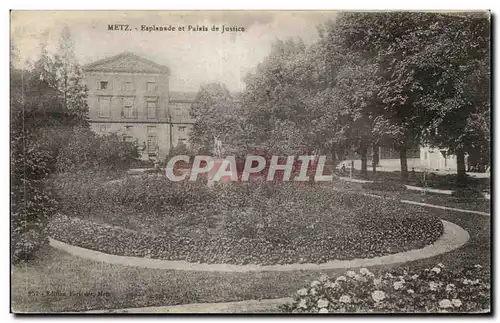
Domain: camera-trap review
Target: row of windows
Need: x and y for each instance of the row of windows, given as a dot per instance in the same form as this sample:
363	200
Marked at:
151	146
126	86
104	128
129	110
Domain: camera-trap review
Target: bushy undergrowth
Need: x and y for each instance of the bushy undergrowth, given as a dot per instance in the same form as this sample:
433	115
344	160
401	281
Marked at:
87	150
439	289
256	222
32	204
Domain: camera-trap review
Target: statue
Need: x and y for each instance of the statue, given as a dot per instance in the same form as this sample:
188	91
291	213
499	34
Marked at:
217	147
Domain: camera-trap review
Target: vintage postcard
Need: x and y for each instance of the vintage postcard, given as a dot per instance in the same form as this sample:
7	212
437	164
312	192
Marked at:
316	162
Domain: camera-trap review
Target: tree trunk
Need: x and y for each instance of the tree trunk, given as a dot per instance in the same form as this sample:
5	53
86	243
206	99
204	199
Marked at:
375	158
363	150
461	171
334	159
404	163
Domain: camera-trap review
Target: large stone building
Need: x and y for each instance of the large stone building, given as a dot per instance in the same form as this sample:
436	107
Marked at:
129	95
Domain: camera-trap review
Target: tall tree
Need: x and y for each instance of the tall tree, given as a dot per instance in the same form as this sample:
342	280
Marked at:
457	69
417	56
213	112
69	75
443	72
274	102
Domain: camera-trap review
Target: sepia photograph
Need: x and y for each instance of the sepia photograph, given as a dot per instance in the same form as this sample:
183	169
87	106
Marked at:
317	162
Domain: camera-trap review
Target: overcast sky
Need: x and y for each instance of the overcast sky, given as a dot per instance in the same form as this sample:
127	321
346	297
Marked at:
193	57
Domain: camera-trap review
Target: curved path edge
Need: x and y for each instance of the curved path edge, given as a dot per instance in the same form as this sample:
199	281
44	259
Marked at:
452	238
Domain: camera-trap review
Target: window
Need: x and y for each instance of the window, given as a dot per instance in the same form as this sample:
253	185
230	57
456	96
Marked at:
151	129
152	146
129	111
104	128
128	86
182	129
128	139
150	86
128	128
104	107
103	85
182	140
151	109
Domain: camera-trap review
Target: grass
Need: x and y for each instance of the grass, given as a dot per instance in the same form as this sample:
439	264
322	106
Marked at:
58	272
437	181
482	205
473	204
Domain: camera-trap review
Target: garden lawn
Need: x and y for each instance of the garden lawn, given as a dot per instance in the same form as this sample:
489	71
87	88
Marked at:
57	271
437	181
473	204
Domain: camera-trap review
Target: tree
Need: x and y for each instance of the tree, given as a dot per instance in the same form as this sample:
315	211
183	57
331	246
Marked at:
31	203
356	75
214	115
55	97
288	106
457	69
419	61
71	90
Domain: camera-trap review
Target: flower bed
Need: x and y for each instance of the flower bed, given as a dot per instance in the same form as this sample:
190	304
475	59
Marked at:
238	223
432	290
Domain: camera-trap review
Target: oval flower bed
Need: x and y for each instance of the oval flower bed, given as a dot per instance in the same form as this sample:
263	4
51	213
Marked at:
242	223
432	290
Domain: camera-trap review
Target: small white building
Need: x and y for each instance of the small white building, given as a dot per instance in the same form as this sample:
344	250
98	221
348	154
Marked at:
437	159
420	158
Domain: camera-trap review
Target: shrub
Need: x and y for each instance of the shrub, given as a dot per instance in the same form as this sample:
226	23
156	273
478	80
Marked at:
87	150
32	204
180	149
408	291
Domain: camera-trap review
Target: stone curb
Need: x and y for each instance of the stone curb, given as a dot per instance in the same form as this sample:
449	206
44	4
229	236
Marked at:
453	237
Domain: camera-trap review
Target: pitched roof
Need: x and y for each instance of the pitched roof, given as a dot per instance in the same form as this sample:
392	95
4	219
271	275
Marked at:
182	96
126	62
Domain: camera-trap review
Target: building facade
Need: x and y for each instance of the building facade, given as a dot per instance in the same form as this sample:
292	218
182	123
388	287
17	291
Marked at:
419	158
129	95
